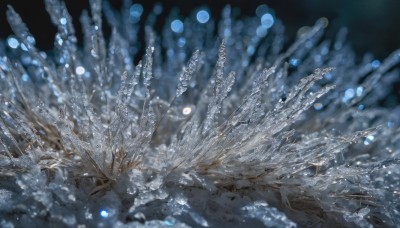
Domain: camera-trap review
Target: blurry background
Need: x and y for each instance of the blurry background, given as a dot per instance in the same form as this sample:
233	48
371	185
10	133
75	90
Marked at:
373	24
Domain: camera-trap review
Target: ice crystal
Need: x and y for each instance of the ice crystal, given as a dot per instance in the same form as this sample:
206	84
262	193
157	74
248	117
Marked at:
204	131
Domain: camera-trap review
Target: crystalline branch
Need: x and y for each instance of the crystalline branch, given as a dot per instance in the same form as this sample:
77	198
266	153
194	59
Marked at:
222	131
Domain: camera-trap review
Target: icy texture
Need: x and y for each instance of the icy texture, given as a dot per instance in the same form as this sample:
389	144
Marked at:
204	131
269	216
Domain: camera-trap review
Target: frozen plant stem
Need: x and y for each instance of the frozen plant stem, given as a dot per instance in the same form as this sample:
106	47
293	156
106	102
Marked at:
203	131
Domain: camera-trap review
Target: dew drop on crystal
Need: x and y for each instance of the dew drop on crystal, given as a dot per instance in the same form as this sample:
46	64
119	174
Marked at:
30	39
375	64
293	62
368	140
186	111
63	21
104	213
25	77
348	95
359	91
80	70
23	47
169	222
251	50
59	100
12	42
318	106
328	76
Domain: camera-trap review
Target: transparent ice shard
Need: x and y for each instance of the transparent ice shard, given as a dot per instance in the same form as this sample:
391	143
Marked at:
187	73
269	216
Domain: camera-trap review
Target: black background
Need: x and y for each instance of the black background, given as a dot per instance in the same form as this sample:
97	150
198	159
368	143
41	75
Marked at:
373	24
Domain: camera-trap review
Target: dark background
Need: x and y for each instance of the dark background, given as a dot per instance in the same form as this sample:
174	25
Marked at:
373	24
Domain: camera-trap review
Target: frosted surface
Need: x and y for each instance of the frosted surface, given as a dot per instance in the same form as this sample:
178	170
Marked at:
204	131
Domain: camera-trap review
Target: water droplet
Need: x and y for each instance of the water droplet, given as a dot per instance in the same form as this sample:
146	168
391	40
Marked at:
169	222
318	106
80	70
328	76
359	91
94	53
104	213
293	62
267	20
71	197
251	50
369	139
202	16
375	64
23	47
43	54
186	111
360	107
25	77
348	95
12	42
63	21
59	40
177	26
30	39
59	100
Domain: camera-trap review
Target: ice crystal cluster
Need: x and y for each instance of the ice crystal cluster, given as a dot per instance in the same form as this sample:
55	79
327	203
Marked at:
219	124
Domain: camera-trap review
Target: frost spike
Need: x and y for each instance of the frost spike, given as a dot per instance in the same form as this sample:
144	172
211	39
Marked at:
187	73
219	73
215	105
